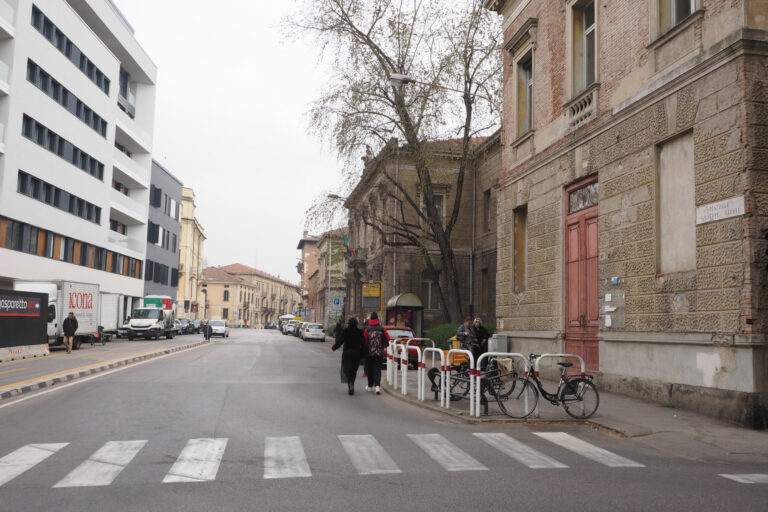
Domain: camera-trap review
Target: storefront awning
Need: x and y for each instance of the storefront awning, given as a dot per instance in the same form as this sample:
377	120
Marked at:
405	300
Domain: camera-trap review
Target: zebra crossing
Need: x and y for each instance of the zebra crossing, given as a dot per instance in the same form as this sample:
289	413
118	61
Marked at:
285	457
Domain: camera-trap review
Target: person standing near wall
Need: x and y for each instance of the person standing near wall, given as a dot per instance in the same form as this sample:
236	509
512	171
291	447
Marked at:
70	328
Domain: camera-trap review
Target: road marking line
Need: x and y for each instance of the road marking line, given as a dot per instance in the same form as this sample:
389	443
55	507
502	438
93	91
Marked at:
445	453
104	465
751	478
80	368
198	462
26	457
588	450
368	456
6	372
523	453
96	376
284	458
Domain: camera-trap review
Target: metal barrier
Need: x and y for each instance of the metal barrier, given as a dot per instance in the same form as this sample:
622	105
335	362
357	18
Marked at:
536	370
419	369
390	363
477	375
446	389
423	369
394	359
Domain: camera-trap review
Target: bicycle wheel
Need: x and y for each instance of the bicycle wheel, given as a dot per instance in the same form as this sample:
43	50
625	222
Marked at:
459	386
580	398
521	401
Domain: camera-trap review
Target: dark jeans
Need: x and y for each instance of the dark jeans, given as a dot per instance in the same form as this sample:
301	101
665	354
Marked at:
373	369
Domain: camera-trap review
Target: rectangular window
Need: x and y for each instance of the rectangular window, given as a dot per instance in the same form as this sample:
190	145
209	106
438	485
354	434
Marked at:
677	206
525	94
520	248
672	12
584	45
225	313
487	210
430	295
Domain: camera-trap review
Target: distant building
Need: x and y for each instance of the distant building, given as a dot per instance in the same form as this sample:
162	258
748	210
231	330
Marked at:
308	269
161	268
265	297
77	107
331	282
191	304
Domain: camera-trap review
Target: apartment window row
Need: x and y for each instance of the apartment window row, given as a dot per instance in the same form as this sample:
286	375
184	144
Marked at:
50	140
18	236
56	37
64	97
58	198
158	199
156	272
161	237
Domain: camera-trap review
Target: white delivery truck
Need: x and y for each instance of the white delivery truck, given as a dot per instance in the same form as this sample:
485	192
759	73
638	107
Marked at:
110	314
156	317
64	296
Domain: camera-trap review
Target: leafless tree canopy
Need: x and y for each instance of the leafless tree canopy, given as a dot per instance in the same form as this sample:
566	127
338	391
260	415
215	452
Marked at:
451	49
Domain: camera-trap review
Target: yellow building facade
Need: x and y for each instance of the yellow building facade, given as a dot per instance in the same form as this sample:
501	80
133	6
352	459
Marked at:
191	304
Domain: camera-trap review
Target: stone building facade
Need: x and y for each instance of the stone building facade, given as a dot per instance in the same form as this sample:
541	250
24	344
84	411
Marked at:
191	303
632	199
401	269
308	269
265	297
331	285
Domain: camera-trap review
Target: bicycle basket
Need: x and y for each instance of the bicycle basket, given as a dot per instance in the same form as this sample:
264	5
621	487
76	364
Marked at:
506	369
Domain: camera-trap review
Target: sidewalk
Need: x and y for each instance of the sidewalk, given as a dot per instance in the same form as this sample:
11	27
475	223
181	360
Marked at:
670	430
25	375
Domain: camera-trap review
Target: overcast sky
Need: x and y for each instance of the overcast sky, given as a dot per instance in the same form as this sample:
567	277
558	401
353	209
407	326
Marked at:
230	123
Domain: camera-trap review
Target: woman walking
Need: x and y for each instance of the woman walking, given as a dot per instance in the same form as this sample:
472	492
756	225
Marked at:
352	339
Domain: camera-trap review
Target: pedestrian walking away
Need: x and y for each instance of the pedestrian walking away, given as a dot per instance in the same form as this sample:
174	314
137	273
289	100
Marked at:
354	345
70	328
376	345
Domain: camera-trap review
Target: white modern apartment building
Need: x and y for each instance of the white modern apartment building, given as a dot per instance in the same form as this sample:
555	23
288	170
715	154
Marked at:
77	103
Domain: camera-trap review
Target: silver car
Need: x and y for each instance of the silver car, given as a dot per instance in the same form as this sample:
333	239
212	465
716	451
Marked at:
219	328
310	331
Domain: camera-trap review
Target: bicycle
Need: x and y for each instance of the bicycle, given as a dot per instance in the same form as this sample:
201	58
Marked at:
577	395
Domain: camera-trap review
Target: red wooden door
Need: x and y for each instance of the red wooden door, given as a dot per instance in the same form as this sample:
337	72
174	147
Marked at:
581	280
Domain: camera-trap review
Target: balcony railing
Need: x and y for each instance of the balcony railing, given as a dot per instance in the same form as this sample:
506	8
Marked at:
6	17
126	242
128	105
131	167
130	204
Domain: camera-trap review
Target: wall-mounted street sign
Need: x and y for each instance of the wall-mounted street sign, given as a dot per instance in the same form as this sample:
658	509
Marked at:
720	210
372	296
337	302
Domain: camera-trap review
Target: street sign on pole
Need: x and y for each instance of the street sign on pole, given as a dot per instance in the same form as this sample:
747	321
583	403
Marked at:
336	302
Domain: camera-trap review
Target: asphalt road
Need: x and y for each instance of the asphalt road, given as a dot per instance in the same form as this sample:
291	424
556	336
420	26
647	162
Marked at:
260	422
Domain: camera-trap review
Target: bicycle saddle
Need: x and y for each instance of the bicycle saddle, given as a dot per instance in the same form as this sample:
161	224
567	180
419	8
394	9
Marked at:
565	365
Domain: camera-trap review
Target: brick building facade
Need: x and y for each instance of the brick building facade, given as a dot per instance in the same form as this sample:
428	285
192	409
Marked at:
632	199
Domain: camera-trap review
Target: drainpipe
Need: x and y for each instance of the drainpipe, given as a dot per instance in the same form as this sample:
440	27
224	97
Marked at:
394	215
472	255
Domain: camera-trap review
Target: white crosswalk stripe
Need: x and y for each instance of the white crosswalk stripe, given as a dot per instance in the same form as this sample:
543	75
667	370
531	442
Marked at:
750	478
445	453
26	457
284	458
588	450
198	462
104	465
367	455
521	452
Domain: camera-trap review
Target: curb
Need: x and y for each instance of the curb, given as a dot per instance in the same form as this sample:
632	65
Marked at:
43	384
462	416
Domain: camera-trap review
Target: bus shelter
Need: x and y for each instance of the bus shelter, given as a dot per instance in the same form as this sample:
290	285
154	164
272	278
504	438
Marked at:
406	310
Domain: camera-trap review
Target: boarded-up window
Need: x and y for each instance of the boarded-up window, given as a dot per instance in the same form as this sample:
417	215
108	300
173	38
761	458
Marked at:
525	94
676	206
520	247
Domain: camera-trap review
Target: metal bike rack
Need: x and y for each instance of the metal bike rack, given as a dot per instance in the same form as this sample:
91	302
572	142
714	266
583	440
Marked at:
447	391
475	374
419	365
423	369
542	356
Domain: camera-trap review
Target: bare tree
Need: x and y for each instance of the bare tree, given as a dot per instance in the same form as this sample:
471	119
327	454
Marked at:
450	50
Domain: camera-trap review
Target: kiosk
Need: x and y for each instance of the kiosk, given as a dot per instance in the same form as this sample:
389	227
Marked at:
406	309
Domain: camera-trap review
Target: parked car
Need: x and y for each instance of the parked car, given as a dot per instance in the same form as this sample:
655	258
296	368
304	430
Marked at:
219	328
312	331
290	326
186	326
270	325
392	332
297	329
197	325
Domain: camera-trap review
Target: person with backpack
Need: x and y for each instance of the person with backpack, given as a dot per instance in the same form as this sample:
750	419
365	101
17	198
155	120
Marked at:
375	340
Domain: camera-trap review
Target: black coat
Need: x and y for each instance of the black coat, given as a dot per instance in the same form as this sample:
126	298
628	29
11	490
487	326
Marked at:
354	344
69	326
